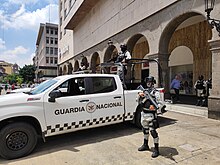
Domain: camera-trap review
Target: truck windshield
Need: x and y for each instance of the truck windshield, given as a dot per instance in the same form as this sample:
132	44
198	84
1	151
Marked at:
43	86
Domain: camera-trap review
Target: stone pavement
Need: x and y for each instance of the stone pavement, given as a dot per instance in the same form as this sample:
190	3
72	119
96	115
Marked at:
184	139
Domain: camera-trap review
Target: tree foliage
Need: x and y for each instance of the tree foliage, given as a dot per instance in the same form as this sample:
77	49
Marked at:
12	78
27	73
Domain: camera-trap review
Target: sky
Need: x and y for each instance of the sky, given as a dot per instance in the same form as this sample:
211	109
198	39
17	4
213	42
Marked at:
19	25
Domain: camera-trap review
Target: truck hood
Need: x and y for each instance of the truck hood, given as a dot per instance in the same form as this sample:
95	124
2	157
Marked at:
12	99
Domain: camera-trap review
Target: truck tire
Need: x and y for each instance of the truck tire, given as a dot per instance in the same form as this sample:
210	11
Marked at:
17	140
138	118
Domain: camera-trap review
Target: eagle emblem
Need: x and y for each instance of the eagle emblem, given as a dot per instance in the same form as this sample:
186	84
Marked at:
91	107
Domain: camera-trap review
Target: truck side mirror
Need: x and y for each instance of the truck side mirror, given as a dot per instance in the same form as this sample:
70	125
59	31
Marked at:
53	95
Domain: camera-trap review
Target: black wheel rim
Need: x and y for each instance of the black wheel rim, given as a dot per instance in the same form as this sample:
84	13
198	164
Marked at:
17	140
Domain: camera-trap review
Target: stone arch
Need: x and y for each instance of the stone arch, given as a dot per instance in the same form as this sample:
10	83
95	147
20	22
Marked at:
139	48
110	52
181	63
192	30
95	61
76	66
84	62
70	68
60	71
64	70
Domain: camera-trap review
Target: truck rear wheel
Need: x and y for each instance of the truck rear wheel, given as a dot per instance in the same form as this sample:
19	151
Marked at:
17	140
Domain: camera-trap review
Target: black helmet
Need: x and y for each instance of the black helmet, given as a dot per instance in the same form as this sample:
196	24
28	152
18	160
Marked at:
150	79
201	77
123	46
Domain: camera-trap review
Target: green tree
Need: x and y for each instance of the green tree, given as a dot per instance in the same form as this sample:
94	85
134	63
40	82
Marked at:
19	80
13	78
27	73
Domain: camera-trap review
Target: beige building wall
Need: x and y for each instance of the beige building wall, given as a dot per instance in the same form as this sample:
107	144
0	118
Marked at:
65	36
164	25
109	17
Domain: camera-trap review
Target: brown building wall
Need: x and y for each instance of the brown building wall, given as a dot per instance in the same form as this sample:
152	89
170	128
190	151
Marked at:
195	37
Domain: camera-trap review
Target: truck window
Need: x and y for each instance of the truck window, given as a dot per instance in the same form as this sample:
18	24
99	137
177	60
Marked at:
72	87
43	86
103	84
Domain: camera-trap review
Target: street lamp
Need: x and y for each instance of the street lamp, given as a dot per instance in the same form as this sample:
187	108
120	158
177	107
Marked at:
209	5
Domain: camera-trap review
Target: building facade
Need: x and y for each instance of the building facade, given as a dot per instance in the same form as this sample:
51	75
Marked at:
175	32
6	68
46	54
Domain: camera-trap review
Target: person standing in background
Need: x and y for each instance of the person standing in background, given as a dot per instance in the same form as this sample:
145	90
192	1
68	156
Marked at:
175	85
200	87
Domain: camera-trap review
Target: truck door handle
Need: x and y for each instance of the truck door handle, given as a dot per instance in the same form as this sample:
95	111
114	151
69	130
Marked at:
117	97
84	101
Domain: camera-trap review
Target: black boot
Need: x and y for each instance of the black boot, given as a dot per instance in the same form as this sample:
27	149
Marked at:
203	104
144	147
156	151
198	103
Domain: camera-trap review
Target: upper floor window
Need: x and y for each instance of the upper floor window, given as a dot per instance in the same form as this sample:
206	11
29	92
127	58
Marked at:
47	60
56	31
65	13
56	41
60	20
47	40
47	50
51	31
61	6
47	30
60	35
51	60
51	50
51	40
56	51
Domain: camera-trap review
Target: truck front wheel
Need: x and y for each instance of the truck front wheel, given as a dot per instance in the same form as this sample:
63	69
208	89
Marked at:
17	140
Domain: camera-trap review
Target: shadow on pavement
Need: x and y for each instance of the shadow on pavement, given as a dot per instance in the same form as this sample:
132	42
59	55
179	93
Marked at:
168	152
164	121
70	141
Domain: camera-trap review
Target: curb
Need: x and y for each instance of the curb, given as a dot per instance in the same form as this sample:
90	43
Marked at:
188	109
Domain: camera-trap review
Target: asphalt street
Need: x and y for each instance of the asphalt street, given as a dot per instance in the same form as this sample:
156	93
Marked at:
184	139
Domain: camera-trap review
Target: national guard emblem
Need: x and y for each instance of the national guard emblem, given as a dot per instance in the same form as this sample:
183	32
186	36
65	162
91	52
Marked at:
91	107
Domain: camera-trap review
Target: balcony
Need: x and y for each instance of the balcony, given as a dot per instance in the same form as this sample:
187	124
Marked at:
77	12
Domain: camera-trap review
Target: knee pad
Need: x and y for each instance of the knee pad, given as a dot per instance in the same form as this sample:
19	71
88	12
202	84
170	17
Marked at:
154	133
145	130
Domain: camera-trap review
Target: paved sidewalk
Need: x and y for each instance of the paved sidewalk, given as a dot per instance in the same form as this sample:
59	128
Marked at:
184	140
188	109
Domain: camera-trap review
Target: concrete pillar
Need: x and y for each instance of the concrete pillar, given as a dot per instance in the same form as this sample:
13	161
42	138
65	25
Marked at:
153	68
163	59
163	71
214	98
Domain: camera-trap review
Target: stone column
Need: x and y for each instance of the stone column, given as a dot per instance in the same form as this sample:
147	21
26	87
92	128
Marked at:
214	98
153	68
163	71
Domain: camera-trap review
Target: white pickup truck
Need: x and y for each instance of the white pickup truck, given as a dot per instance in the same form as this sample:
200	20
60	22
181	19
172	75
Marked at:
61	105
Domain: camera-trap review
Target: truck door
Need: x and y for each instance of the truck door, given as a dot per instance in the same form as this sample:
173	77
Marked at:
68	112
107	98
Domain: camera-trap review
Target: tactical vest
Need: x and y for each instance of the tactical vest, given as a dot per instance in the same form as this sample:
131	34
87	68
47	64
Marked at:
200	84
